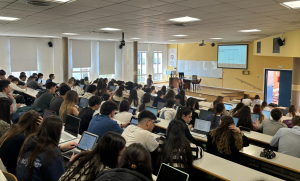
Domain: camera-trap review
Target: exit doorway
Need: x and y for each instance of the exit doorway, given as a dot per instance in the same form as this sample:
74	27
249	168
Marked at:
278	87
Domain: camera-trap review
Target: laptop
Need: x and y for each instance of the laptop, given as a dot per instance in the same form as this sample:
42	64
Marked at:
153	110
132	111
235	120
285	111
267	114
254	117
71	129
134	121
48	113
204	113
87	141
169	173
81	86
228	107
128	91
44	82
160	105
201	127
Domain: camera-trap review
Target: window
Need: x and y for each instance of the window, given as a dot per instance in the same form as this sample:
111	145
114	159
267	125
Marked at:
28	74
80	73
142	62
157	66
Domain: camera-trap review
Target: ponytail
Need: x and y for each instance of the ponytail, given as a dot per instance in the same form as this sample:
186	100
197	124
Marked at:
183	111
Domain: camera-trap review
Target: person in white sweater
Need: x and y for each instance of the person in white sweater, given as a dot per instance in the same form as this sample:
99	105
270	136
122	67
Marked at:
292	112
76	88
120	94
124	116
139	91
256	101
168	112
14	86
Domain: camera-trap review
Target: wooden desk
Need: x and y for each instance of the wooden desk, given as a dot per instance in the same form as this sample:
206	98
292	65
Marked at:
205	104
31	92
174	81
198	98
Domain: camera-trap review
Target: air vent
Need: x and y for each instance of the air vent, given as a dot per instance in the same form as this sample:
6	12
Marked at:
38	3
276	47
258	47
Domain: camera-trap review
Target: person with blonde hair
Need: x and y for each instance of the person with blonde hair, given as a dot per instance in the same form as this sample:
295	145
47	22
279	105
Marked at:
70	82
69	105
226	140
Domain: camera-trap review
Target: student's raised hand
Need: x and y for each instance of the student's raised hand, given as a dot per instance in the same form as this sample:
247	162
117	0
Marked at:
72	157
68	146
233	128
39	120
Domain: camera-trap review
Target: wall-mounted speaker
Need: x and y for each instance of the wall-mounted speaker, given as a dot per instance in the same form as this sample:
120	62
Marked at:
280	41
50	44
213	44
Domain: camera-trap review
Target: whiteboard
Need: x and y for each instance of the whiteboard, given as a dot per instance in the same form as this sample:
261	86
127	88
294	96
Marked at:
200	68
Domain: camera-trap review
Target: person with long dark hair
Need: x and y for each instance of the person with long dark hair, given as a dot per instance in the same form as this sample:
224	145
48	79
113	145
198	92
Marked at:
170	95
184	114
105	155
292	112
6	107
40	157
158	98
133	98
111	86
146	101
245	119
191	103
226	140
176	149
168	112
76	87
257	110
124	116
215	118
164	89
235	110
12	141
120	94
183	97
264	106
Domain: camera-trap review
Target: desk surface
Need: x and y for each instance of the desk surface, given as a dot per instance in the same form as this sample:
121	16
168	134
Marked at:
199	98
31	92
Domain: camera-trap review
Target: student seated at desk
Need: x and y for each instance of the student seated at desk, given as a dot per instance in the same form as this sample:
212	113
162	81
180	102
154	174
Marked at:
184	114
101	124
76	87
153	91
71	82
256	101
142	133
11	142
44	97
5	93
233	112
134	99
123	115
51	78
178	99
40	77
257	110
135	158
6	107
120	94
91	90
40	156
57	101
86	81
31	83
164	89
140	92
246	100
87	113
191	103
216	117
146	101
104	156
218	99
111	86
2	74
168	112
22	80
176	150
106	97
264	106
287	139
68	106
158	98
292	112
245	119
270	127
226	140
14	86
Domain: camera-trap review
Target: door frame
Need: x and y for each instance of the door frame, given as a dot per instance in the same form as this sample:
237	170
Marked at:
265	78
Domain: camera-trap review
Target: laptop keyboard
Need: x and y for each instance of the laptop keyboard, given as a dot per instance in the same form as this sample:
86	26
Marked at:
199	132
66	137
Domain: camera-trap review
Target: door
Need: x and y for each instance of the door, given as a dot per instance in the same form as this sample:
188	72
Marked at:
269	90
285	88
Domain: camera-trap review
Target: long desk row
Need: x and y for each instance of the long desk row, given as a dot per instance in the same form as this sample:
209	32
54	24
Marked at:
31	92
281	161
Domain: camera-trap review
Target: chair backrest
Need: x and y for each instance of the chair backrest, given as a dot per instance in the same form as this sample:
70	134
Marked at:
84	102
162	115
9	176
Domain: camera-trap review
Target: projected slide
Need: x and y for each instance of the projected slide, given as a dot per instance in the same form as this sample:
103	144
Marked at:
232	56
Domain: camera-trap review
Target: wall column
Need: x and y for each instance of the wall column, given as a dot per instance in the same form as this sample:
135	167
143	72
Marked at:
135	61
295	98
65	59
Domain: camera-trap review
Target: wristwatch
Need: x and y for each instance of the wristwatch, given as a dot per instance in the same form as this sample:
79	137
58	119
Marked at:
121	125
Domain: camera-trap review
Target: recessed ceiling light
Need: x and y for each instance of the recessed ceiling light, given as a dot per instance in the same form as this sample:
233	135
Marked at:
112	39
70	33
179	35
61	1
172	40
46	36
185	19
110	29
291	4
135	38
252	30
216	38
3	18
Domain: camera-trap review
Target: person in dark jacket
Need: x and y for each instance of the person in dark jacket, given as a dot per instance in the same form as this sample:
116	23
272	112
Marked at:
149	81
51	78
226	140
45	162
44	97
121	174
191	103
184	114
158	98
57	101
31	83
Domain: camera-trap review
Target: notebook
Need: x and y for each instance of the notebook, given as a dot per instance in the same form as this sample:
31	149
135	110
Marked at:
152	109
228	107
87	142
201	127
254	117
134	121
267	114
169	173
48	113
160	105
71	129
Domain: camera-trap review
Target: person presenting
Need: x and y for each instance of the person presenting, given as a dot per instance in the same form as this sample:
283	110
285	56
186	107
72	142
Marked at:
149	81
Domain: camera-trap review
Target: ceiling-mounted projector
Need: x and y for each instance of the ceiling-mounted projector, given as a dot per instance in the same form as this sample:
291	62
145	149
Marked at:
202	44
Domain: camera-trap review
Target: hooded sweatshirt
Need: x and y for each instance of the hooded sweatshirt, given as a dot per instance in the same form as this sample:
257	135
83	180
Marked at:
43	99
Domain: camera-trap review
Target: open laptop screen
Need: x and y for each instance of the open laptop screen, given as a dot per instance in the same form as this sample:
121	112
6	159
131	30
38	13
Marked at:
254	117
152	109
203	114
160	105
267	114
72	125
235	120
87	141
134	121
202	125
168	173
228	107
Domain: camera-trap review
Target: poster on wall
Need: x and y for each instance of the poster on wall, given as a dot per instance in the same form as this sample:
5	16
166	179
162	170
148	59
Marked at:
172	57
